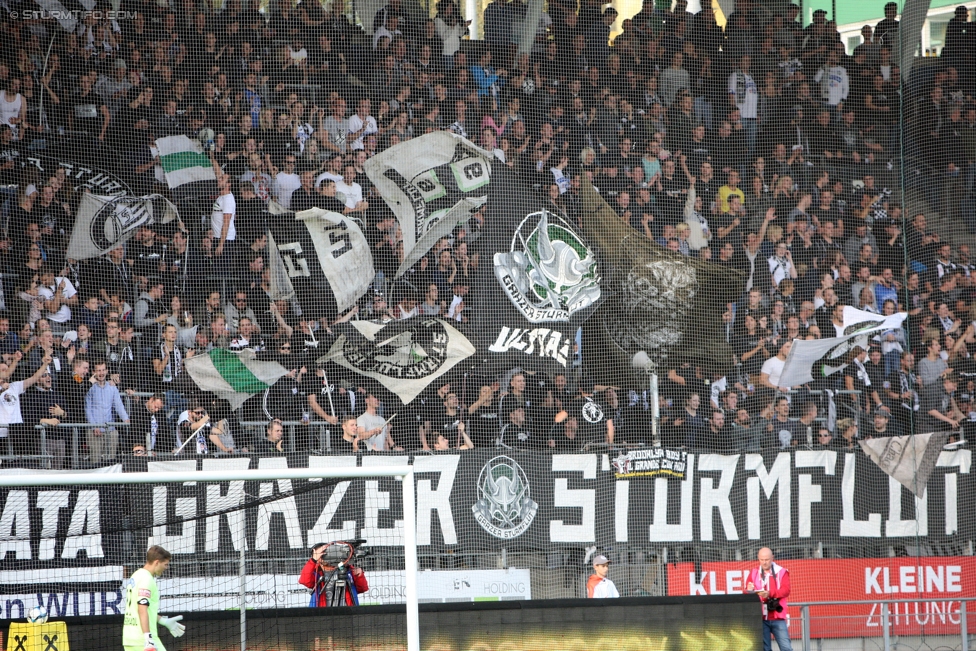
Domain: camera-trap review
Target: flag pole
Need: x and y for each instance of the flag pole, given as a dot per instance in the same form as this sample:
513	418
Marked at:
328	391
43	74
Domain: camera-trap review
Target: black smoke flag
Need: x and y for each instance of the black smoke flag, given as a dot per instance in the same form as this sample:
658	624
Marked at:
665	304
541	281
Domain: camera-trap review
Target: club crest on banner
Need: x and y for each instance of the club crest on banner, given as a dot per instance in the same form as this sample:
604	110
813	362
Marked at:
549	274
504	507
103	222
117	220
403	356
414	353
434	192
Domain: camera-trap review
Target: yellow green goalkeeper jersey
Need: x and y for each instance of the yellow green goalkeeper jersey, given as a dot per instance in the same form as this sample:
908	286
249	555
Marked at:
141	588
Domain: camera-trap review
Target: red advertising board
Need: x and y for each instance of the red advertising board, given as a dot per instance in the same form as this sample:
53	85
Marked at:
867	580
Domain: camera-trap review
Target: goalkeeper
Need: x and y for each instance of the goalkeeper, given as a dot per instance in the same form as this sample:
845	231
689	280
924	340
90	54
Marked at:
139	632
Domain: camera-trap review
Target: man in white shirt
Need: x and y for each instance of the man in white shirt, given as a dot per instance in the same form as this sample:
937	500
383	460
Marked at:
58	295
390	30
834	83
222	222
361	124
772	369
744	95
286	181
375	431
598	586
11	420
333	171
351	191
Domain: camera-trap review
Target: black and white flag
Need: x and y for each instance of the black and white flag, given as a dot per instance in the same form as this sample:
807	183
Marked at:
105	222
909	459
321	258
66	12
432	184
817	358
403	356
542	283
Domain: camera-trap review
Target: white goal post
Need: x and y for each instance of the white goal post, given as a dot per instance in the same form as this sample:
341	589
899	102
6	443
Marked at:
405	472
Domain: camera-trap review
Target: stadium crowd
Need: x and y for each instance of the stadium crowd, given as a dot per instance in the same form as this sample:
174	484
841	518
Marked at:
764	146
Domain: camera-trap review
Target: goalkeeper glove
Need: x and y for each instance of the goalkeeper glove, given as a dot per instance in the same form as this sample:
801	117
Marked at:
173	625
150	643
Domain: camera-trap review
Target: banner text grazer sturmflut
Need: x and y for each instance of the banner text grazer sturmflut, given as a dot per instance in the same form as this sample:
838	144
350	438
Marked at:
564	500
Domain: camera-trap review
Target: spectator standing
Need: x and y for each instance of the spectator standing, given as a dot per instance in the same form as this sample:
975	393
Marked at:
149	427
744	95
901	388
286	180
939	412
44	348
933	366
43	406
58	295
376	430
150	312
834	83
450	29
598	38
361	124
222	223
103	404
886	31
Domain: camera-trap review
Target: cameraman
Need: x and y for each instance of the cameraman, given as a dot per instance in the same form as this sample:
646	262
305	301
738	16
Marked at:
320	578
772	583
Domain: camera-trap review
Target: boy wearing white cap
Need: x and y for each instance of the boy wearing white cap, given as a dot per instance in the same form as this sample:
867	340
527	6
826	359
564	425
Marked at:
598	586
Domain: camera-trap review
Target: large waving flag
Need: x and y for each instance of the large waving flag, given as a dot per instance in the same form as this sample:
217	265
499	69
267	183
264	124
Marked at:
405	357
818	358
663	304
187	169
318	257
105	222
432	184
231	375
66	12
909	459
540	284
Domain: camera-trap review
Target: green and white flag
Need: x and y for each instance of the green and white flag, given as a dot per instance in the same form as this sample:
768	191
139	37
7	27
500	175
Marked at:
184	163
233	376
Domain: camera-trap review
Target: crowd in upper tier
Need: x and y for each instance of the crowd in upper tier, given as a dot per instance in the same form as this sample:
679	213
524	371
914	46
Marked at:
764	146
